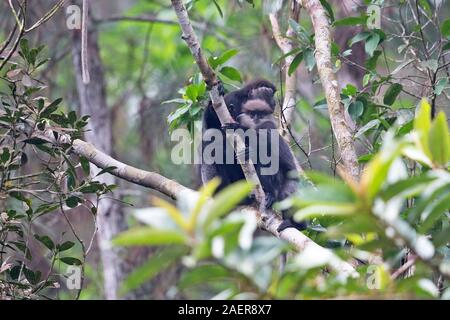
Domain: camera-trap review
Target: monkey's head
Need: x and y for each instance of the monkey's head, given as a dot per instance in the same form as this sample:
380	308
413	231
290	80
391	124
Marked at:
257	114
266	94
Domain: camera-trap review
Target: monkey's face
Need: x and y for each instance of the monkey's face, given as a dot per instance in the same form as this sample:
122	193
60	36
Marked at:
256	114
265	94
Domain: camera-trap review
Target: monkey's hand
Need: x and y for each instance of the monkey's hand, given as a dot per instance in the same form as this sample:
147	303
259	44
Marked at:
221	88
269	201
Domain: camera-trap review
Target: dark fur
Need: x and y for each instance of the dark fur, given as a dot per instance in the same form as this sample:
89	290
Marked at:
252	108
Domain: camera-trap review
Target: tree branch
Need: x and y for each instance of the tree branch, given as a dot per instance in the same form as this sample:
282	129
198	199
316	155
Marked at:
286	45
328	78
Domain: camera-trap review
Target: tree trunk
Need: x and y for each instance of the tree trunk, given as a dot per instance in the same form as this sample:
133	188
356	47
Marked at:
110	219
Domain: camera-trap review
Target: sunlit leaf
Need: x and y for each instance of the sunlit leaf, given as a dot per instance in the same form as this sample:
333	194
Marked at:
205	193
325	210
226	200
172	211
231	73
155	264
295	63
439	140
422	125
145	236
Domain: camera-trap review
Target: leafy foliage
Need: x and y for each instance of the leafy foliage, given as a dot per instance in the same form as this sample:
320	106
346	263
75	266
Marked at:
39	177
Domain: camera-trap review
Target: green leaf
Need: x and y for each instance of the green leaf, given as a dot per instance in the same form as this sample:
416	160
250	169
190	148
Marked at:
226	200
350	21
440	86
214	62
19	196
32	277
440	208
203	274
356	109
301	32
310	60
145	236
50	108
46	241
65	246
371	63
295	63
368	126
325	210
405	128
71	261
231	73
442	238
218	8
359	37
411	185
292	52
25	49
372	43
377	170
106	170
85	165
73	201
350	90
391	93
422	124
35	141
158	262
328	8
426	6
4	157
439	140
446	46
192	92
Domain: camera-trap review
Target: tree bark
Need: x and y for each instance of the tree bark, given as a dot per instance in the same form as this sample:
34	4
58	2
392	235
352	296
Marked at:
330	85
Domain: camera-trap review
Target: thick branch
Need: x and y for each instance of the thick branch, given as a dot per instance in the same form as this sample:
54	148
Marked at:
330	85
286	45
143	178
129	173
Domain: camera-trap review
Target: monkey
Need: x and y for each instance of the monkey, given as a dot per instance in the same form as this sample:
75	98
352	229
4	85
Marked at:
234	100
230	173
252	108
258	115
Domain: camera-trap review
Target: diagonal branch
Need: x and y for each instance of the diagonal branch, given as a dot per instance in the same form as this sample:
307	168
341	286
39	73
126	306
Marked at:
286	45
